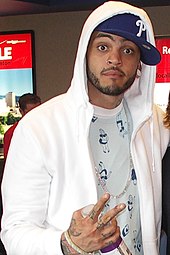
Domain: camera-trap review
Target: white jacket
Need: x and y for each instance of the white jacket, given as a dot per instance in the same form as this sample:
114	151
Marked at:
49	173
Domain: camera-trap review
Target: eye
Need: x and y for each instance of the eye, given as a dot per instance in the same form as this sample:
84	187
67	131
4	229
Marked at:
102	47
128	51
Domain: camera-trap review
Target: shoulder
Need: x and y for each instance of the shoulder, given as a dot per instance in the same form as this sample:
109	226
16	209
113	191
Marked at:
11	129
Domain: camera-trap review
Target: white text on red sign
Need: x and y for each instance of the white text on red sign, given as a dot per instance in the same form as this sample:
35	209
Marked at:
6	53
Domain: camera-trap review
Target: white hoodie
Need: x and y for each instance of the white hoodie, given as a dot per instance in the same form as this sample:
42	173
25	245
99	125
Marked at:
49	173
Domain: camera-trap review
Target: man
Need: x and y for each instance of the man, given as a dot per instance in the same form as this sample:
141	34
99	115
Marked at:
26	103
68	193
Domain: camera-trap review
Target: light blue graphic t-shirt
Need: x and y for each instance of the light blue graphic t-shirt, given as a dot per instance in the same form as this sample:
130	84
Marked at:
110	133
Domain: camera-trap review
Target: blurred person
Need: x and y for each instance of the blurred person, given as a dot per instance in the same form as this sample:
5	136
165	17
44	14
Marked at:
166	184
84	169
26	103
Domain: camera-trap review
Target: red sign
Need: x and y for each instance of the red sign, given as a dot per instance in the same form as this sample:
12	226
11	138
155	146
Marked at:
163	68
15	51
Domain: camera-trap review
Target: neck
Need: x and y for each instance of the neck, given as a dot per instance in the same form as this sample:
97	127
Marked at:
105	101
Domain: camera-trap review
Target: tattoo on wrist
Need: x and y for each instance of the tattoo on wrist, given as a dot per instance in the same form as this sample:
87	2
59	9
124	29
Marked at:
66	248
69	248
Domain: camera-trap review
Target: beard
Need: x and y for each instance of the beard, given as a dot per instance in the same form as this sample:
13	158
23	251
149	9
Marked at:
111	90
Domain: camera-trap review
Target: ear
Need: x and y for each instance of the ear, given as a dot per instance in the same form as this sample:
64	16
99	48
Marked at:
21	111
140	66
138	71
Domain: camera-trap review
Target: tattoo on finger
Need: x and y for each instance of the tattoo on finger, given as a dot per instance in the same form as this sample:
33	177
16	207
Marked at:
100	225
104	236
92	214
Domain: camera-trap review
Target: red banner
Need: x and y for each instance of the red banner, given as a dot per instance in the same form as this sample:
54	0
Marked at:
15	51
163	68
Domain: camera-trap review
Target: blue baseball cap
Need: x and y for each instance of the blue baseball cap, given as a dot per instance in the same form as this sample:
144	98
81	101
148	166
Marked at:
131	27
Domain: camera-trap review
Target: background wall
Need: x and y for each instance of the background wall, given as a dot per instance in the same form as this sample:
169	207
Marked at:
56	38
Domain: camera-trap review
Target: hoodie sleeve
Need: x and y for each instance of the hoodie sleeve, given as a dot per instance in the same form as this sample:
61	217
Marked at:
24	229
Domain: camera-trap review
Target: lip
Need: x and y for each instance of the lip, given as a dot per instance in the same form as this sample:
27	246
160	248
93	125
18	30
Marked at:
112	73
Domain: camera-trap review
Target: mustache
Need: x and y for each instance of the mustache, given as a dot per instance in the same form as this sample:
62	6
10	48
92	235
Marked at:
113	68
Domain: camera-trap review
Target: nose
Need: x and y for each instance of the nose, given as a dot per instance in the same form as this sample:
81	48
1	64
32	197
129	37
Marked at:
114	58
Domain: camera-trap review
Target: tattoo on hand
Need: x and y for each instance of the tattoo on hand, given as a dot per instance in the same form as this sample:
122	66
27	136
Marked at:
72	230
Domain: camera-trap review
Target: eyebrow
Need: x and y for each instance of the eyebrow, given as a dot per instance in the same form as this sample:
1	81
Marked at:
100	34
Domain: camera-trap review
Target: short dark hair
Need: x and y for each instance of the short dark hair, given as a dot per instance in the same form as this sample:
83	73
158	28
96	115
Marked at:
28	98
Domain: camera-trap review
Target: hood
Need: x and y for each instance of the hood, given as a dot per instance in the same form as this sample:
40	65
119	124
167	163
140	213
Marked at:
140	96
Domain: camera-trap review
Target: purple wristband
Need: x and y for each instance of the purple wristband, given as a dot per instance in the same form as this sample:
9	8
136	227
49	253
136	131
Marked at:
112	246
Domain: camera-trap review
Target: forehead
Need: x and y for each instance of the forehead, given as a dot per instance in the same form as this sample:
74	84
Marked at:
98	36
